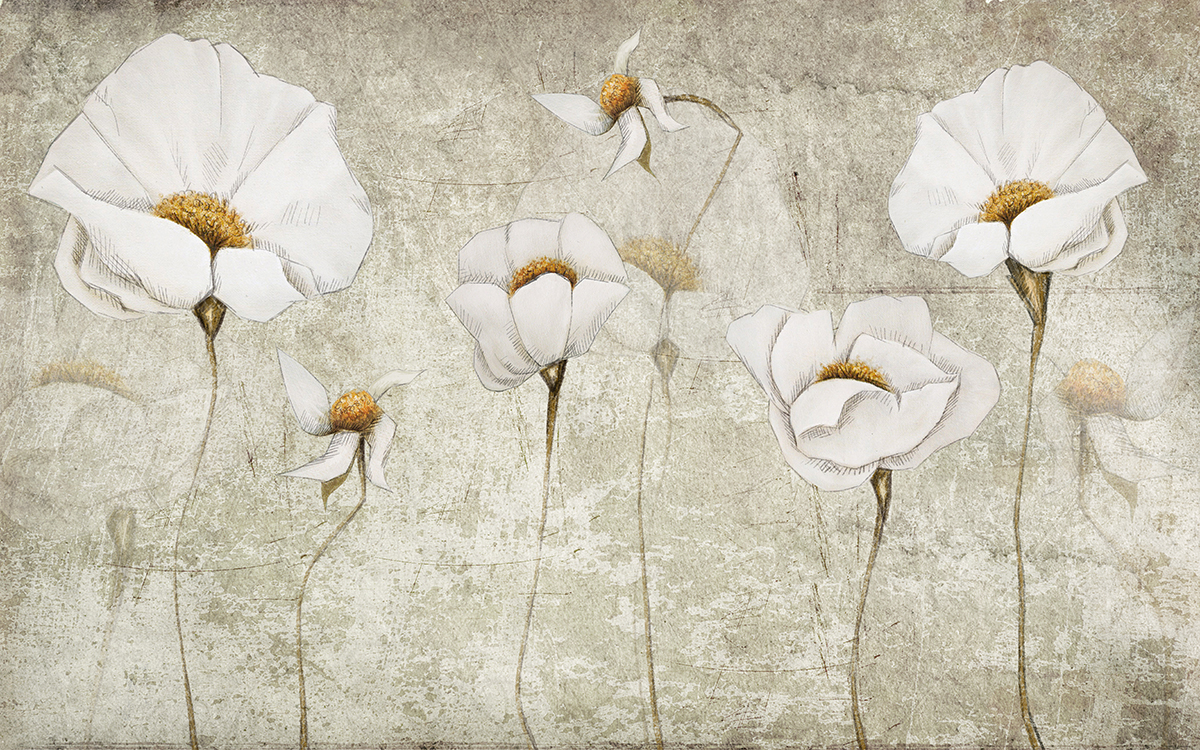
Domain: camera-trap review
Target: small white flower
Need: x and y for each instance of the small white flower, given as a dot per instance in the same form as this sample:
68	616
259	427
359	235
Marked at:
535	292
620	97
190	176
884	392
355	420
1026	167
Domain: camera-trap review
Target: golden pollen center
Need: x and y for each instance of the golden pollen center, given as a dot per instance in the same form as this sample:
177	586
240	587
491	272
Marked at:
355	411
1092	387
1012	198
859	371
619	93
208	217
536	268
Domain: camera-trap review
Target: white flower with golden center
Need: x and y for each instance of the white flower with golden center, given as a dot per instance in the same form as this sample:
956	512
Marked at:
1026	167
535	292
190	176
884	392
355	420
620	97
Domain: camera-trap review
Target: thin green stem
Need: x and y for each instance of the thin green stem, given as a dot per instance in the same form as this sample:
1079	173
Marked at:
725	168
881	482
362	473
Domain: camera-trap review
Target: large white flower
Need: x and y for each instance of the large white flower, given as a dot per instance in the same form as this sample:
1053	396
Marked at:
884	392
189	176
535	292
620	97
1026	167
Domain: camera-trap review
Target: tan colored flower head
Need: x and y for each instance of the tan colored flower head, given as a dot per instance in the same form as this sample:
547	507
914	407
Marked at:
664	261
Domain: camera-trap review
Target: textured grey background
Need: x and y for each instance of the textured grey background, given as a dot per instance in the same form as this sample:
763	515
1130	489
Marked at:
413	617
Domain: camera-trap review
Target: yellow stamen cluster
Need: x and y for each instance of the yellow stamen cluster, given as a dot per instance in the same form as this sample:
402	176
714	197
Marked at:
664	261
1012	198
355	410
86	373
619	93
538	267
208	217
1092	387
859	371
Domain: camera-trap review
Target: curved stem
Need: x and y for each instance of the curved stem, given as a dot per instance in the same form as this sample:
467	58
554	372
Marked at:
725	168
362	472
187	502
881	482
553	375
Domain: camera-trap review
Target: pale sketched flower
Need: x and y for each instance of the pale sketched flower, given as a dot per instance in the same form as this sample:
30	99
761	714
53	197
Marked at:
1026	167
620	98
190	176
883	392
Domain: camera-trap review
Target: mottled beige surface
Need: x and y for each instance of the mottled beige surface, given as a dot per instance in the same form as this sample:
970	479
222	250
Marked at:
414	616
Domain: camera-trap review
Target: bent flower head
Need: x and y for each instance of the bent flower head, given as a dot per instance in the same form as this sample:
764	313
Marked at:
355	420
620	97
188	176
535	292
882	392
1026	167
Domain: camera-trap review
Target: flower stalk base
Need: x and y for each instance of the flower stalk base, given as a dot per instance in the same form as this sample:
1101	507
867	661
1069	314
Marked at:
881	482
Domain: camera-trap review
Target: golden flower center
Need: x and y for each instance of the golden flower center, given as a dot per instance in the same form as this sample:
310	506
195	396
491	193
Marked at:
619	93
664	261
1012	198
536	268
208	217
355	411
1092	387
857	370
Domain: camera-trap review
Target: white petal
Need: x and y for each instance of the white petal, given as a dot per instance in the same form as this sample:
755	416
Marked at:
1114	226
309	400
1104	154
334	463
1060	225
390	380
633	139
904	368
498	380
904	320
252	284
804	345
752	337
482	260
541	311
824	474
128	292
67	260
1118	455
591	303
86	159
652	99
577	110
379	444
527	240
485	312
621	64
978	248
975	120
303	204
587	248
168	261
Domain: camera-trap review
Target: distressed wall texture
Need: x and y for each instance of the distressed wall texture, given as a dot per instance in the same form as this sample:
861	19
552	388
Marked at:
413	617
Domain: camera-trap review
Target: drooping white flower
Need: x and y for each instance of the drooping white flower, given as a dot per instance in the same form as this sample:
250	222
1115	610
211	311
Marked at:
883	392
620	97
188	176
1026	167
535	292
355	420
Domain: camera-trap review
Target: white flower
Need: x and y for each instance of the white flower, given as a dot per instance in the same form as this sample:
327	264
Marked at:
535	292
190	176
884	392
1026	167
355	420
620	97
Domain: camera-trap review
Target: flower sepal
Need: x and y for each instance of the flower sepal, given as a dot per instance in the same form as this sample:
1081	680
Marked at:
329	486
211	314
1033	287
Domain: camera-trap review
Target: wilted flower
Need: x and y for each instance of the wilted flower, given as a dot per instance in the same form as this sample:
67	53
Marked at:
884	392
535	292
192	180
620	97
1026	167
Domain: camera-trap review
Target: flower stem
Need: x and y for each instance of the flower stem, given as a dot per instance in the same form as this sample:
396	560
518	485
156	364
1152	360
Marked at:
691	98
881	482
187	501
553	376
362	473
655	721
